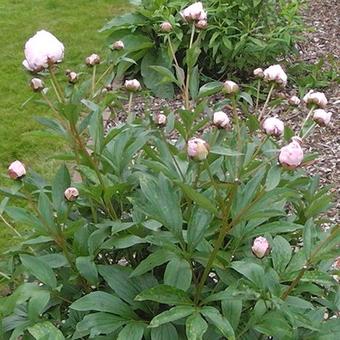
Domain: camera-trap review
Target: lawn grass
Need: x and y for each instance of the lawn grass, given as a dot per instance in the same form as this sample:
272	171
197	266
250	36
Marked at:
75	23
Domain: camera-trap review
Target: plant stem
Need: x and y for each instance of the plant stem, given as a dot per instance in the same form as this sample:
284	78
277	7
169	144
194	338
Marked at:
93	87
258	94
55	84
260	146
187	100
266	102
49	103
10	226
131	117
172	51
5	276
305	121
104	74
305	135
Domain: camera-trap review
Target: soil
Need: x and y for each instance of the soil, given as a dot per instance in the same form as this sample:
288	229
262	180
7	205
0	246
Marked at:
320	41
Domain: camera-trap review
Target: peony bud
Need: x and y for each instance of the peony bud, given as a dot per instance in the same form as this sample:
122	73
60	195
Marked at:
160	119
132	85
36	84
72	76
294	100
92	60
165	27
201	24
273	126
230	87
322	117
221	120
198	149
291	155
275	73
194	12
258	73
317	98
71	194
118	45
336	264
16	170
42	50
260	247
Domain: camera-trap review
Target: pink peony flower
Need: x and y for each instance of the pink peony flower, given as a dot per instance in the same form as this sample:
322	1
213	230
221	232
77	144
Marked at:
118	45
132	85
194	12
92	60
160	119
198	149
221	119
71	194
317	98
37	84
16	170
291	155
230	87
322	117
42	50
275	73
294	100
166	27
201	24
273	126
258	72
260	247
72	76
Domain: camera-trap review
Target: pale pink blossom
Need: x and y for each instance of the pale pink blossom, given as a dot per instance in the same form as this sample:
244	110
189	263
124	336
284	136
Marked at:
221	119
294	100
160	119
273	126
92	60
258	72
16	170
71	194
198	149
72	76
132	85
118	45
260	247
322	117
275	73
317	98
230	86
291	155
42	50
166	27
194	12
201	24
36	84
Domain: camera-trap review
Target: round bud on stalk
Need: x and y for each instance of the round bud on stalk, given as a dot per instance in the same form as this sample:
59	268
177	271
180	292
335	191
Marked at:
336	264
291	155
197	149
275	73
118	45
71	194
165	27
37	84
132	85
160	119
230	87
317	98
221	120
258	72
260	247
42	50
273	126
322	117
194	12
72	76
16	170
201	24
294	100
92	60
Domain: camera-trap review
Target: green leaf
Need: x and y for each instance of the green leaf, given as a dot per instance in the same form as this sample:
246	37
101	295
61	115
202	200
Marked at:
102	302
87	269
251	271
274	228
281	253
60	183
45	331
124	20
198	225
307	238
172	314
37	304
168	76
273	178
45	210
153	260
165	294
232	309
274	323
221	150
132	331
197	197
39	269
194	82
178	274
221	323
164	332
210	88
195	327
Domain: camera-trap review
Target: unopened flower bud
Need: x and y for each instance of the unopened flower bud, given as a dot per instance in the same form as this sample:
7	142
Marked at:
273	126
198	149
322	117
165	27
132	85
118	45
294	100
336	264
160	119
72	76
230	87
275	73
37	84
317	98
194	12
71	194
92	60
16	170
201	24
258	72
221	120
291	155
260	247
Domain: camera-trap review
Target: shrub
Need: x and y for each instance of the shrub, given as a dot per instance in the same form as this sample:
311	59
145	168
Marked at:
240	35
182	226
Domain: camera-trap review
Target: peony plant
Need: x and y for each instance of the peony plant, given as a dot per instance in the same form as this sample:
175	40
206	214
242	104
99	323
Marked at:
199	223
